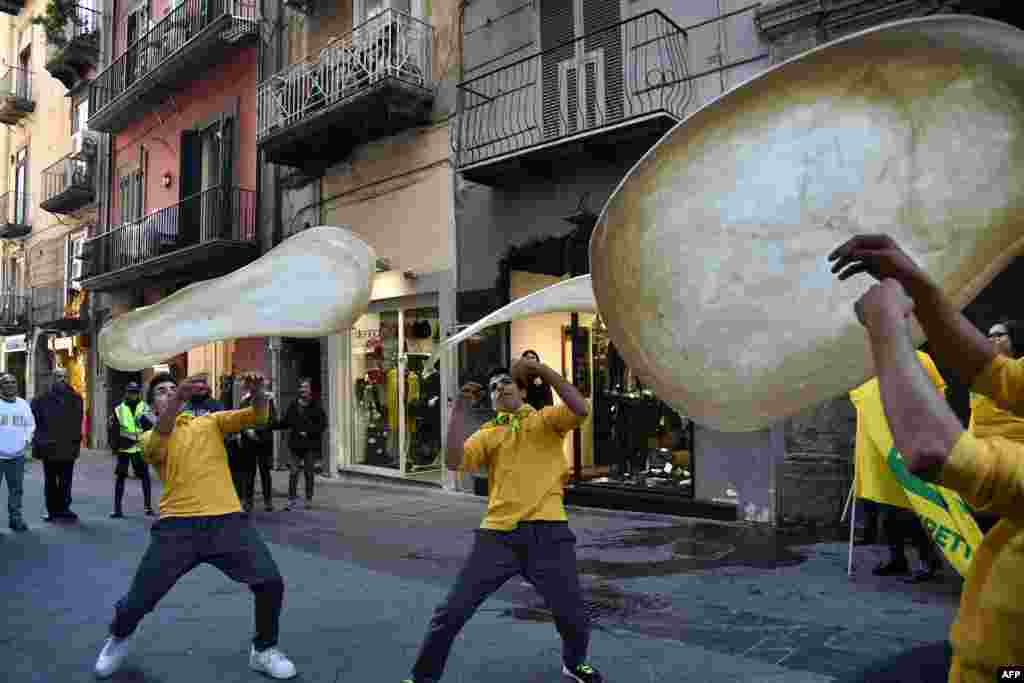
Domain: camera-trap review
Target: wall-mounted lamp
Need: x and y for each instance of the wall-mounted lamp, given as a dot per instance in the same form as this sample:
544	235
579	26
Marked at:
167	178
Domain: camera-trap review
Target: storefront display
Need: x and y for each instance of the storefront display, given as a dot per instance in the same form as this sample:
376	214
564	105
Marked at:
396	411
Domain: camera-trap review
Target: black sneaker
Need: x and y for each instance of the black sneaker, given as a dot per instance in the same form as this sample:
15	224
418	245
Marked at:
582	673
117	514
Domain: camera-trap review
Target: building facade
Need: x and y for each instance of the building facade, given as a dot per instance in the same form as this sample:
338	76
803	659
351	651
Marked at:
377	80
174	100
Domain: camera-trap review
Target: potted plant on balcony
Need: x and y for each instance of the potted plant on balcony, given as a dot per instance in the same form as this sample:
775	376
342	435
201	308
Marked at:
72	40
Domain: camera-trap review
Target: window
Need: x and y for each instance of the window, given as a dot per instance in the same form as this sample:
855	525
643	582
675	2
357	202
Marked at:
367	9
79	114
73	266
131	195
21	189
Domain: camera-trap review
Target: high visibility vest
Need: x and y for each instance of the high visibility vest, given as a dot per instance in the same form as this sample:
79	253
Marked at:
130	430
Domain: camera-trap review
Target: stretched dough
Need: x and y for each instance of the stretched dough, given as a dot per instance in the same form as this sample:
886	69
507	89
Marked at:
313	284
568	296
709	260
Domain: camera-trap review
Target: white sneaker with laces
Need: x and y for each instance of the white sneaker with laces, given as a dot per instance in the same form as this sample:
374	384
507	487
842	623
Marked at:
271	662
111	656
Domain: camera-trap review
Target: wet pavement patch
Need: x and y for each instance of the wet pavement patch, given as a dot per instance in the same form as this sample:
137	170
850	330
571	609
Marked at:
603	603
664	550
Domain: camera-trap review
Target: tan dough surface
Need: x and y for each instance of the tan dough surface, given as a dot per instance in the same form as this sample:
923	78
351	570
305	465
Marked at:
312	284
710	263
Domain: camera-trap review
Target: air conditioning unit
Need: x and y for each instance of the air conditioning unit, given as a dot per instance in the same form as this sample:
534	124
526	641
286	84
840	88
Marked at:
84	143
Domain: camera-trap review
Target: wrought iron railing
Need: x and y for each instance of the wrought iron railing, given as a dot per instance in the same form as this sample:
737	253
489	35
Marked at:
13	309
17	82
83	24
628	70
389	45
15	209
165	39
70	172
219	213
49	305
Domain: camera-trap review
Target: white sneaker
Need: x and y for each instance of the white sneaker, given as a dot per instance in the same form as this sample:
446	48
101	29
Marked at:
111	656
271	662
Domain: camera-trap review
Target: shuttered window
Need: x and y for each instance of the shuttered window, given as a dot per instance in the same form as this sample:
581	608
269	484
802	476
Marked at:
582	85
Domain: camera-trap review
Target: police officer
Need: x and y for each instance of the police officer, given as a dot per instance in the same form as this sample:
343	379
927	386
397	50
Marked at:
129	414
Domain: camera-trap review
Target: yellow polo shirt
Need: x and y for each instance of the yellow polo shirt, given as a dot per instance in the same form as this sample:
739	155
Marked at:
989	474
193	462
526	468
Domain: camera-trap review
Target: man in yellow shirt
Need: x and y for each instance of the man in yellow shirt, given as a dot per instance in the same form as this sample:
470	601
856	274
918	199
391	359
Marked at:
201	521
988	472
525	530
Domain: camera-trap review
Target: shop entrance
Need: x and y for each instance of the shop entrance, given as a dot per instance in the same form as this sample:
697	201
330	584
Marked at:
396	406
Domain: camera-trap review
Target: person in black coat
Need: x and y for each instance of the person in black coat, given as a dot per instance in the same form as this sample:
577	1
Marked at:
306	422
58	443
538	393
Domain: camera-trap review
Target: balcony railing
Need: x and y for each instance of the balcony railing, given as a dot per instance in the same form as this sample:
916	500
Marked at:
13	312
219	214
392	49
177	48
629	71
15	215
68	185
51	310
76	49
16	95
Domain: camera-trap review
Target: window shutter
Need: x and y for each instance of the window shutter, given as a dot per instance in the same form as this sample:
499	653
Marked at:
557	26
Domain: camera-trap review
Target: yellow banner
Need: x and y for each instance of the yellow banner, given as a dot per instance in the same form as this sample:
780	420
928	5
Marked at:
881	475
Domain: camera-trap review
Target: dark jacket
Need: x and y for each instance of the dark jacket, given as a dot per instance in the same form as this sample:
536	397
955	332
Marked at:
264	434
311	420
58	414
203	406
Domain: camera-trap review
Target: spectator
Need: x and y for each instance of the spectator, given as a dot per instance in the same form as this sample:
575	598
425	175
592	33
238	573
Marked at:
257	445
16	427
126	420
306	422
58	443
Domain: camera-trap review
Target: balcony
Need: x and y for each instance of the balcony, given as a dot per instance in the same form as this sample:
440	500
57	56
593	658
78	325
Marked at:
52	310
626	84
207	235
14	317
373	82
68	185
12	7
72	52
193	38
16	95
15	215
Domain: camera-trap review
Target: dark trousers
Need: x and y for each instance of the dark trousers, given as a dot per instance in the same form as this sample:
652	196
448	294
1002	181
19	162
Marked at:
135	461
262	457
925	664
179	544
304	460
902	525
544	553
57	488
13	470
242	467
871	511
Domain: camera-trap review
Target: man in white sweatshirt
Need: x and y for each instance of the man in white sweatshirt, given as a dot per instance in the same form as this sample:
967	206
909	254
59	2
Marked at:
16	427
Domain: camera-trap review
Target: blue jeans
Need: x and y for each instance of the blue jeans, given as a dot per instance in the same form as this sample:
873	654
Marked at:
14	471
544	553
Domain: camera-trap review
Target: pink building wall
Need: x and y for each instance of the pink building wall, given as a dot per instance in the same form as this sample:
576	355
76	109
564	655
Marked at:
159	130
